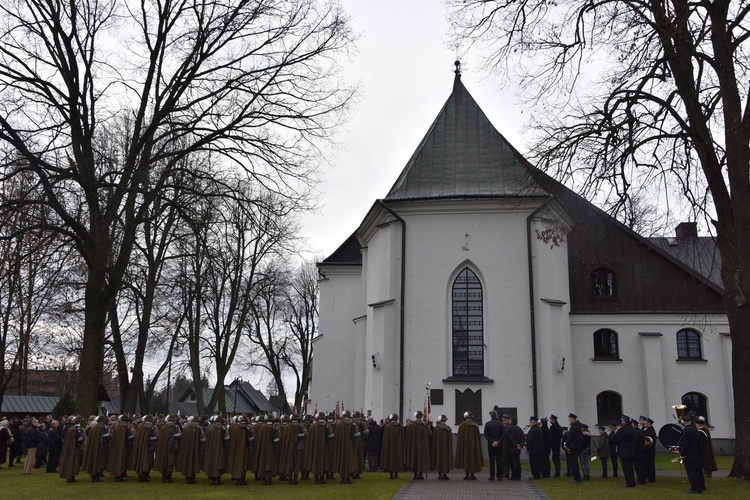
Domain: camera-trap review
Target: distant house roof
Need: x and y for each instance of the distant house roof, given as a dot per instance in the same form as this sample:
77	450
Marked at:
238	398
28	405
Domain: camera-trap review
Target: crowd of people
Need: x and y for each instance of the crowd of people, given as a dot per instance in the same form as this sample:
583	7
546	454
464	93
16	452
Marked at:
294	448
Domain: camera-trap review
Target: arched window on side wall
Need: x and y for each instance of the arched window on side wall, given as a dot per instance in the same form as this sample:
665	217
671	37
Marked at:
468	327
608	407
605	344
689	344
603	283
696	403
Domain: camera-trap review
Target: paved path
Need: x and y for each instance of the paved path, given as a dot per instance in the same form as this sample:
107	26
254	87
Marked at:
457	488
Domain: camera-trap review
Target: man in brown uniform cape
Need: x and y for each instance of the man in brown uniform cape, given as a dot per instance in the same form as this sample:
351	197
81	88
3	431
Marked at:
344	456
359	443
442	448
238	453
307	421
96	448
286	448
189	454
166	448
418	437
215	453
299	437
117	463
266	450
72	450
316	448
331	419
469	447
392	452
142	460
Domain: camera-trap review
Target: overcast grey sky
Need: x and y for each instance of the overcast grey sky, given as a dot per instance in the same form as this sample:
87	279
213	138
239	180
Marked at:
406	72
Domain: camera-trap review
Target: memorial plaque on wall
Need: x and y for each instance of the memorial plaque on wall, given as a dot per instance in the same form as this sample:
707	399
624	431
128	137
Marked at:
468	400
510	410
436	396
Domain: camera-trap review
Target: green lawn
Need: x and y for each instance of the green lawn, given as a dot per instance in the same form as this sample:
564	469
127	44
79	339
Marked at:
13	484
372	486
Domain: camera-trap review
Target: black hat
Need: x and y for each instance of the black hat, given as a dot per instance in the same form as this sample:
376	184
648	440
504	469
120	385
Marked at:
613	424
687	418
573	415
700	420
642	418
506	416
625	417
543	420
650	421
584	426
532	418
600	427
552	415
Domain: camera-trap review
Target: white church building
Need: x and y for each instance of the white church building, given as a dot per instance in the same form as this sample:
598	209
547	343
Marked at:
479	274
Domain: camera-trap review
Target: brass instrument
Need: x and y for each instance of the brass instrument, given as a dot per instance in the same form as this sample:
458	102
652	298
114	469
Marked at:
680	409
648	442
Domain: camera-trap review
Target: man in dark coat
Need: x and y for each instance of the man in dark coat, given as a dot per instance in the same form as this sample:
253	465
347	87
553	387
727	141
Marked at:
442	448
555	431
493	433
166	449
374	443
513	441
54	440
710	465
419	436
117	463
344	447
535	447
43	449
392	454
649	460
298	453
469	447
72	451
315	450
31	440
96	449
215	453
628	440
285	449
692	453
574	443
547	445
190	450
613	447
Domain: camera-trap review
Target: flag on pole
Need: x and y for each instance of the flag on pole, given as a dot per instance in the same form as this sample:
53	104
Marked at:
427	411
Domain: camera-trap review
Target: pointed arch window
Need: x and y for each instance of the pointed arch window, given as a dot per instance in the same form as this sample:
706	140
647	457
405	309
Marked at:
603	283
608	407
468	325
689	345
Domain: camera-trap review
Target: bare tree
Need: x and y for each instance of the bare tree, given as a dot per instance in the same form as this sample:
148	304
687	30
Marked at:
646	94
301	313
254	81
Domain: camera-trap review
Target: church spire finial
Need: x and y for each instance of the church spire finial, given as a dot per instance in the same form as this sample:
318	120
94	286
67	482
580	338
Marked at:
457	71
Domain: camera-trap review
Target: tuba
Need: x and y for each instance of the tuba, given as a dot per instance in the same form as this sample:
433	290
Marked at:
680	409
648	442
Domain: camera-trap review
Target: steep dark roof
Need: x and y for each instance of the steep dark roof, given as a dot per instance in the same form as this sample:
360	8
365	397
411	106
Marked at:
699	253
349	253
463	156
28	405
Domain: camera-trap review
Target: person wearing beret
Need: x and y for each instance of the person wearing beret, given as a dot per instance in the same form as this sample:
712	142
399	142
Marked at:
692	451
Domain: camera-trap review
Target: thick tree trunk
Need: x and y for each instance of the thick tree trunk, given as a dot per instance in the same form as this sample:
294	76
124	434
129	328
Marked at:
90	367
